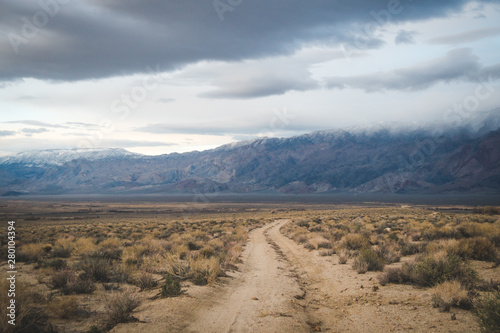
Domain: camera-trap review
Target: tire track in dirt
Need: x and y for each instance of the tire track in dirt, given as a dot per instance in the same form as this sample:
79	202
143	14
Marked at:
261	298
319	290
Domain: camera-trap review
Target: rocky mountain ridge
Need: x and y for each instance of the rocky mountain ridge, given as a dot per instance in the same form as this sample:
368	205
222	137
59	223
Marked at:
418	159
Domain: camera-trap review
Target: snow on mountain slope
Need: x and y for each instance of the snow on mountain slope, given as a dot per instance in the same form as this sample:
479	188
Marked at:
61	156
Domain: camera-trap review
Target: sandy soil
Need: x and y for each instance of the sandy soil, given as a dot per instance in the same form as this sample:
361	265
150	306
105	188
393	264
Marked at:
283	287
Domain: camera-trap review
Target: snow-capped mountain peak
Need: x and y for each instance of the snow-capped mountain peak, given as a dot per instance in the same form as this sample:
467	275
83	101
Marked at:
61	156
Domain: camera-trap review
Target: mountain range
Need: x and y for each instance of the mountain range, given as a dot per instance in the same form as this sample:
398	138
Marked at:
464	158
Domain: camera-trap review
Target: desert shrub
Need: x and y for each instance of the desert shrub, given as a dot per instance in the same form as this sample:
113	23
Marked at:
61	277
110	249
31	252
133	255
479	248
434	233
171	286
63	248
303	223
355	241
389	252
432	270
93	329
78	285
84	246
408	248
489	210
487	310
96	268
343	257
368	260
64	307
474	229
204	270
55	264
70	283
145	280
326	253
30	316
177	267
118	309
400	275
451	294
232	252
319	242
309	246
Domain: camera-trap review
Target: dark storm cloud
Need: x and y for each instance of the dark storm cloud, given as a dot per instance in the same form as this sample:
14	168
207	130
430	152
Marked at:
466	37
457	65
75	40
405	37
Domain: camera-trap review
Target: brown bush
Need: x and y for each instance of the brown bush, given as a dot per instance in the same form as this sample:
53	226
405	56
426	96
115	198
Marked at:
451	294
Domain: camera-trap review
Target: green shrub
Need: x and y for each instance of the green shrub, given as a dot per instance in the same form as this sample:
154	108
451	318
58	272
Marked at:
487	309
97	269
368	260
171	286
430	271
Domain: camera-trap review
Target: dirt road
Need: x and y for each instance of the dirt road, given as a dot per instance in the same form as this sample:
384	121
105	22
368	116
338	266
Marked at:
283	287
261	298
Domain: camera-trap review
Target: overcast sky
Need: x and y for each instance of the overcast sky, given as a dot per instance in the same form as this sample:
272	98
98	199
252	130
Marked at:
172	76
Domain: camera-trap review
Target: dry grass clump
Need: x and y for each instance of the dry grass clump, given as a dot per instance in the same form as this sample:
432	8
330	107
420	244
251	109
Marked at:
487	310
355	242
204	271
431	270
145	280
96	269
63	247
451	294
368	260
318	241
84	245
31	316
33	252
64	307
118	309
69	282
479	248
343	256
